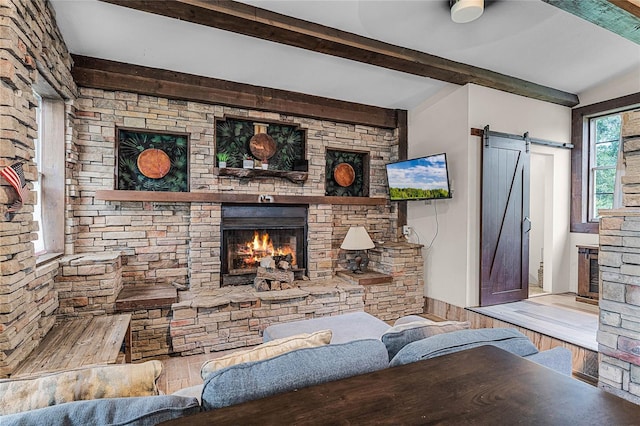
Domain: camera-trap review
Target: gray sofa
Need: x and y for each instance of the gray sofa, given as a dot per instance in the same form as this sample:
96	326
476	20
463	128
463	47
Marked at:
312	366
289	371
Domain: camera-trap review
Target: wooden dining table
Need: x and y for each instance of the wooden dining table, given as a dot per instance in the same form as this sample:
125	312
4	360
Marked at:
481	386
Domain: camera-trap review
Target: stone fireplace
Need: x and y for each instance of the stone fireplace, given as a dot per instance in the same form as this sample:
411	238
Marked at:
251	233
198	240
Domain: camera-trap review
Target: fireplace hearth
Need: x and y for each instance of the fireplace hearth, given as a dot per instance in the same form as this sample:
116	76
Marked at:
251	233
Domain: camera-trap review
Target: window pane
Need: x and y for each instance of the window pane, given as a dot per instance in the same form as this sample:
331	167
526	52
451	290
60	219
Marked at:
606	154
604	181
38	245
608	128
603	201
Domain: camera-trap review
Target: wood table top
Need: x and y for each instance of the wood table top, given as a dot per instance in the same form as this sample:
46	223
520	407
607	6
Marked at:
484	385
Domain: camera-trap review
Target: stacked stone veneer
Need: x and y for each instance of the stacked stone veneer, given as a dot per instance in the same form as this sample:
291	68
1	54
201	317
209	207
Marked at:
157	242
89	284
619	259
150	332
403	296
181	241
30	45
619	331
235	317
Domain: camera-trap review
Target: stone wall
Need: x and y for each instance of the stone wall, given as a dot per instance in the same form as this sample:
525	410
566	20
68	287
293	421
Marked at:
405	294
234	317
30	46
158	242
181	241
619	329
619	260
88	284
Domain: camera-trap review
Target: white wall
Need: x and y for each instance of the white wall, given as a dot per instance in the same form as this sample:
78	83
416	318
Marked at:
443	125
624	84
540	166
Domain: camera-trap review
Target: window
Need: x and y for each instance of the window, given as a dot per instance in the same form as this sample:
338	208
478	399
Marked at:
604	141
595	134
39	247
49	157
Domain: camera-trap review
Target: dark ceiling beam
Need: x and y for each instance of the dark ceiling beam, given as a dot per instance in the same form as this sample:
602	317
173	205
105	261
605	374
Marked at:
111	75
252	21
621	17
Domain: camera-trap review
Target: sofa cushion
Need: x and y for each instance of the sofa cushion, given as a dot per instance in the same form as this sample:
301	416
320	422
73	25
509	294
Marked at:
398	336
345	327
558	359
267	350
411	318
112	381
139	411
508	339
293	370
194	391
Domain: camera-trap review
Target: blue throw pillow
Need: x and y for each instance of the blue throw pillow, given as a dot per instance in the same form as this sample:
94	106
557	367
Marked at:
293	370
139	411
508	339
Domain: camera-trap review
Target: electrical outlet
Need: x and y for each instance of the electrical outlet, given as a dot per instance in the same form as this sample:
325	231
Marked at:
406	229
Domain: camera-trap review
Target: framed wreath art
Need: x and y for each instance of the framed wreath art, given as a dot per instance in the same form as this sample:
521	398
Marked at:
152	161
347	173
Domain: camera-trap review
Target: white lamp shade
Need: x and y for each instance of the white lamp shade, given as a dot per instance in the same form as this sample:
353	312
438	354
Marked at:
464	11
357	238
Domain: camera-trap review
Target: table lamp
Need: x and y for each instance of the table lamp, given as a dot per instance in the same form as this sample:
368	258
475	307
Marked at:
358	239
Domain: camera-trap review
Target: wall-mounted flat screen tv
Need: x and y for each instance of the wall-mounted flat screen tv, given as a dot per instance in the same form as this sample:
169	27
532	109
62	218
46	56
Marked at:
424	178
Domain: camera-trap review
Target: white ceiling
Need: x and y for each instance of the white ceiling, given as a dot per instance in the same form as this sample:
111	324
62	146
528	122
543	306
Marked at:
528	39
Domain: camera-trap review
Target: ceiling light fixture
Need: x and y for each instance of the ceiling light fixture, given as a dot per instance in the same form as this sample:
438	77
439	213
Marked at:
463	11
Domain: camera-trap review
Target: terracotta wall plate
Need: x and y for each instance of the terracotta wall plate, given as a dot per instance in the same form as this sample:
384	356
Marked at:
344	174
154	163
262	146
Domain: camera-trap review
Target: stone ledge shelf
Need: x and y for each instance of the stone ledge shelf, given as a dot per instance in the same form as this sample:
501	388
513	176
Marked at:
233	317
295	177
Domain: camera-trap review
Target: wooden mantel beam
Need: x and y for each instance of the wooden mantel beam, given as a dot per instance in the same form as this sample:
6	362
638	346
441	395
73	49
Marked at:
256	22
110	75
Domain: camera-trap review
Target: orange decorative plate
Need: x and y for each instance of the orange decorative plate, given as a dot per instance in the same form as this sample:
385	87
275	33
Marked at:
154	163
344	174
262	146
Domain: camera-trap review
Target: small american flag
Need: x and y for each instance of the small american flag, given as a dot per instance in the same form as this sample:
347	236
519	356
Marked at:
15	176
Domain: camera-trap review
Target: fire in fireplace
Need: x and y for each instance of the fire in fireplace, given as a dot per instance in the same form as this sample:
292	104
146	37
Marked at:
252	232
247	254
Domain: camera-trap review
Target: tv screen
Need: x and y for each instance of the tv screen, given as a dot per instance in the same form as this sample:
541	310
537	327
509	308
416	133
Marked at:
424	178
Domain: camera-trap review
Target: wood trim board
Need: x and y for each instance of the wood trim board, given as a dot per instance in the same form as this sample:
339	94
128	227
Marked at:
267	25
209	197
111	75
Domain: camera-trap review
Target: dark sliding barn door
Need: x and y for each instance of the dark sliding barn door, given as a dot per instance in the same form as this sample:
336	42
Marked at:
505	224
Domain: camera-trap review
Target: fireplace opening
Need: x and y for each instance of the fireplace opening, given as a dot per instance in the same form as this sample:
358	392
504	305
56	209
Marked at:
250	233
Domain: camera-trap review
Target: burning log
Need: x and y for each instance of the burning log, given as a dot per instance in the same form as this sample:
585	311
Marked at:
267	262
284	265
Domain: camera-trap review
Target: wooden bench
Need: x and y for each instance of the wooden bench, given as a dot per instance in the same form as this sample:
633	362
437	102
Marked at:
80	342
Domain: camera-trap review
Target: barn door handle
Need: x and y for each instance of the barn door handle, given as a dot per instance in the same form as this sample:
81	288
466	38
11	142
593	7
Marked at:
526	222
